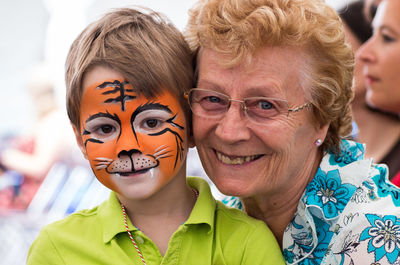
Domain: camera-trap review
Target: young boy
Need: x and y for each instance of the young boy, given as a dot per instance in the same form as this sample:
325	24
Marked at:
126	77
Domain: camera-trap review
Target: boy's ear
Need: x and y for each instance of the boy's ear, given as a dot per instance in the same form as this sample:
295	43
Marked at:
79	141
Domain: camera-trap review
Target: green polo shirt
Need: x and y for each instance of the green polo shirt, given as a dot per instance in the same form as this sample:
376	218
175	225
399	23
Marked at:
213	234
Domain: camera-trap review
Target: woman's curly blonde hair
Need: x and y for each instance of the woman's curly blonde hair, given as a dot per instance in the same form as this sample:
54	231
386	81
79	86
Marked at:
238	28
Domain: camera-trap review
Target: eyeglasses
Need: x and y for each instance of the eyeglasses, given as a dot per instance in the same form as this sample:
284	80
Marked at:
212	104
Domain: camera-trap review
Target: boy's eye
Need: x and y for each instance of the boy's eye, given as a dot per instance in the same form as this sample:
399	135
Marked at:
106	129
103	128
152	123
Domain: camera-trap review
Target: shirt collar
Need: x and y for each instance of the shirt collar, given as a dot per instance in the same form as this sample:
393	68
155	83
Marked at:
204	210
112	218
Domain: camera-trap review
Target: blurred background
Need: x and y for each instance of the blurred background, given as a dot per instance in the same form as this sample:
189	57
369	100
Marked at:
35	38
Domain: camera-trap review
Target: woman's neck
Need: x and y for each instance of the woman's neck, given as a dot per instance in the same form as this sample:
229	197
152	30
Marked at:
370	124
275	212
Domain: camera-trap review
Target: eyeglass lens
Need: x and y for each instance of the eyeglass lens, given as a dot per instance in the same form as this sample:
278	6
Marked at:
212	104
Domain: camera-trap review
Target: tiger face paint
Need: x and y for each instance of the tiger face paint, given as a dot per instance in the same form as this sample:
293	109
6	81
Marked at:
134	145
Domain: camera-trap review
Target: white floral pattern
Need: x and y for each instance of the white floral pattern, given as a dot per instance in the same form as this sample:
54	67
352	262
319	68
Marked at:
349	214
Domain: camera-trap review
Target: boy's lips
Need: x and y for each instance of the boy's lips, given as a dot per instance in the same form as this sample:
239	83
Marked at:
131	173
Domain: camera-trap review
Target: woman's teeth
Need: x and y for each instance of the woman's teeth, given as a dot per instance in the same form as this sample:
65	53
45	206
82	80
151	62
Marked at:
237	160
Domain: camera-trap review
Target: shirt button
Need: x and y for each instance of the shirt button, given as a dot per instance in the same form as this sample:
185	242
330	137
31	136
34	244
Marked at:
139	239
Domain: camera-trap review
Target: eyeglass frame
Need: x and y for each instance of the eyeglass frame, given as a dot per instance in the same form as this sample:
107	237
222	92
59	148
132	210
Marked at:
242	102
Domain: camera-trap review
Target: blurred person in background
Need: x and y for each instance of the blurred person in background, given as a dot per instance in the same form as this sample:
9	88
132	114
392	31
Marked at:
381	58
379	130
369	9
26	159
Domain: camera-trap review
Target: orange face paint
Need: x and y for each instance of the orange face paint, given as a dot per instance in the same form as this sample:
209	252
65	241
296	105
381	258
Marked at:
134	145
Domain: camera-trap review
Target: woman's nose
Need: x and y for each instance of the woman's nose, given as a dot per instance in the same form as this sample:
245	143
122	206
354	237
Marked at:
366	52
232	127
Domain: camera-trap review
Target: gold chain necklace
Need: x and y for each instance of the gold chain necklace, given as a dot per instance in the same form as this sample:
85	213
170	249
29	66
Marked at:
196	194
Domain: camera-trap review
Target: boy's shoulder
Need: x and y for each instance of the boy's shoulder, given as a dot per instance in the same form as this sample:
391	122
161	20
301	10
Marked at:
233	218
78	238
224	215
245	238
86	221
75	222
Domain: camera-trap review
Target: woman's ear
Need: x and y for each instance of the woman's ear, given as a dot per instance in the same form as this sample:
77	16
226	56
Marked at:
79	141
322	131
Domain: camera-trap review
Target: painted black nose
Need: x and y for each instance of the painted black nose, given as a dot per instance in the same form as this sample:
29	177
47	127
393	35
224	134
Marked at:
128	153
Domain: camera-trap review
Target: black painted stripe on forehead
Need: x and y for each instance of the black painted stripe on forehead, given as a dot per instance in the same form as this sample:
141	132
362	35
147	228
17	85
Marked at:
115	83
118	88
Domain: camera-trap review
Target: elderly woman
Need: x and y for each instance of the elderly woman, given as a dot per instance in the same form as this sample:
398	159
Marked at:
271	113
381	58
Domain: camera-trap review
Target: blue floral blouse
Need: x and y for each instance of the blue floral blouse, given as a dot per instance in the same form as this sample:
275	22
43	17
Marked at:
349	214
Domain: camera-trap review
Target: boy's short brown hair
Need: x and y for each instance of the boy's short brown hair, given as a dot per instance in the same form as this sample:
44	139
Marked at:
143	46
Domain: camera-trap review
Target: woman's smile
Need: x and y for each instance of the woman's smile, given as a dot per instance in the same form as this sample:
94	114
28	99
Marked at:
235	160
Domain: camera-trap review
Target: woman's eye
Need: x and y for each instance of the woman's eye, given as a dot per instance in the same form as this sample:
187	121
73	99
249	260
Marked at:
265	105
387	38
214	99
